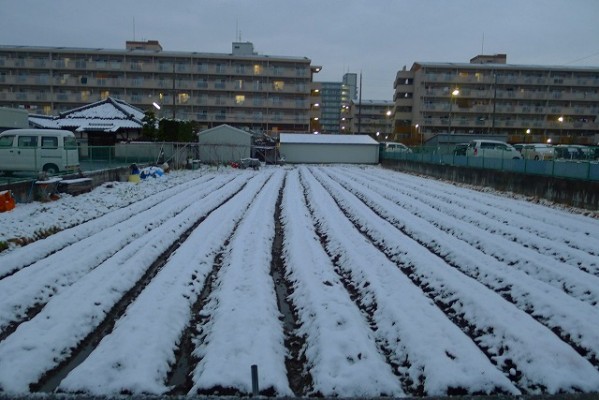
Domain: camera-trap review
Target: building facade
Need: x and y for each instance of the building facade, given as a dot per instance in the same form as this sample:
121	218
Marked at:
487	96
373	118
243	89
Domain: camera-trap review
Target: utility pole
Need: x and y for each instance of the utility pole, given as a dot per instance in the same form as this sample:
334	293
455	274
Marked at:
360	106
174	104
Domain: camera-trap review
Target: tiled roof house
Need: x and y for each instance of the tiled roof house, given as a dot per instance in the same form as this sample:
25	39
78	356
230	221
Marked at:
102	123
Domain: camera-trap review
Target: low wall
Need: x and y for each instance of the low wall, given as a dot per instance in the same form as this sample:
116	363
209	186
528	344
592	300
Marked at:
25	191
571	192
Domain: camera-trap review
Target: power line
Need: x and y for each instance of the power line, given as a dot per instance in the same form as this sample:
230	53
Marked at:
583	58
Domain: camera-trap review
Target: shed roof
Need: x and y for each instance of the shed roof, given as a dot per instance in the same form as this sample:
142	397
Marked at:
307	138
224	126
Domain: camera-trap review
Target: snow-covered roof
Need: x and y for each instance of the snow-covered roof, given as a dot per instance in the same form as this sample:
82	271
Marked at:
326	139
108	115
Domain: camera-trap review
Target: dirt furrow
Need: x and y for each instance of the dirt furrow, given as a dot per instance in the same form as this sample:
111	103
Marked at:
299	379
505	290
367	309
52	378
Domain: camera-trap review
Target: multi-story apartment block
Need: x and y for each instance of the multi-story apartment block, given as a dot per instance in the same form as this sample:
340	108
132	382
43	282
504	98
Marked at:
334	103
488	96
372	117
243	89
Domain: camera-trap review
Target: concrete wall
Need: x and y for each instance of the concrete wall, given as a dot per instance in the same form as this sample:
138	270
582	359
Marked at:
329	153
571	192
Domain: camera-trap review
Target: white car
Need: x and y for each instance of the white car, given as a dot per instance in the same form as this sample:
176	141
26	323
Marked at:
394	147
492	149
537	151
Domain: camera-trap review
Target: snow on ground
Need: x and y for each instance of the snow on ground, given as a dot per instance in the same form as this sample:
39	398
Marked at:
401	286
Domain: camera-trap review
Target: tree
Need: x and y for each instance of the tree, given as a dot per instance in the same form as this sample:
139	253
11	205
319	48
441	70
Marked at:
149	130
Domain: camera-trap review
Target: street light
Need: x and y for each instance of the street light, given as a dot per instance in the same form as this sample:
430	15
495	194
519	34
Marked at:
527	135
453	94
561	127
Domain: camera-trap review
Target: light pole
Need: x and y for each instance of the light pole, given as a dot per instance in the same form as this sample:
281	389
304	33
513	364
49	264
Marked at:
453	94
527	136
561	127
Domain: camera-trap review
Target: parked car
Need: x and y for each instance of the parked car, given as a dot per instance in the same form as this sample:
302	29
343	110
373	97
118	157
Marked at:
572	152
394	147
537	151
460	149
492	149
36	150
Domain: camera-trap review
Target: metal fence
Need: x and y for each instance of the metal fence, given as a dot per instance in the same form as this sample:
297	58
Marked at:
581	169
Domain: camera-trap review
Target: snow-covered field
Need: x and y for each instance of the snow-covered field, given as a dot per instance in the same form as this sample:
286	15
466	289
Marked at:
334	280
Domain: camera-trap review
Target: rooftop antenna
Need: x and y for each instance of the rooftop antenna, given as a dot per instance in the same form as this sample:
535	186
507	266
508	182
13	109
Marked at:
237	31
482	47
134	29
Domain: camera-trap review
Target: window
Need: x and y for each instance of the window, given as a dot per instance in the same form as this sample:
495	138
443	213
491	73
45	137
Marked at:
258	69
278	85
70	142
6	141
239	99
27	141
183	97
49	142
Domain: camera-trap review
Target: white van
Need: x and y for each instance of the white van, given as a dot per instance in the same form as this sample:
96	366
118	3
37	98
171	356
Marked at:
35	150
492	149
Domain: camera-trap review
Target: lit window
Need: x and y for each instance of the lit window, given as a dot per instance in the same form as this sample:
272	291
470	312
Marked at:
278	85
104	94
85	95
239	99
258	69
183	97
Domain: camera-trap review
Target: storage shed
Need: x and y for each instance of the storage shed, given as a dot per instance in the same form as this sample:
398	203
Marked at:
224	143
326	149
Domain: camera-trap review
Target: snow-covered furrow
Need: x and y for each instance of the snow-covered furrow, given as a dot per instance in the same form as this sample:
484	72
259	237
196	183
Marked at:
461	224
24	256
34	285
572	319
530	353
43	342
528	218
137	356
436	355
340	348
508	226
243	326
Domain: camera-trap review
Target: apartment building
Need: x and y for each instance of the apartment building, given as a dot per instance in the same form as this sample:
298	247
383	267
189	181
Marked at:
527	103
372	117
243	89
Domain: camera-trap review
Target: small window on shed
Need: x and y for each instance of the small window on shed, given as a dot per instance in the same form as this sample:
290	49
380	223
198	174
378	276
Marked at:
49	142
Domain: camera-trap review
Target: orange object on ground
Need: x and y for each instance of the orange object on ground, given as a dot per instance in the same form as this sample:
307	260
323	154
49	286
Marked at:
7	202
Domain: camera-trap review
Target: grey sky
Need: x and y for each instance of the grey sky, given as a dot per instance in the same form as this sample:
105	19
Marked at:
377	37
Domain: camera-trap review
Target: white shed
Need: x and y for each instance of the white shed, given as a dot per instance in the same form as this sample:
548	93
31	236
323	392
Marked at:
325	149
224	143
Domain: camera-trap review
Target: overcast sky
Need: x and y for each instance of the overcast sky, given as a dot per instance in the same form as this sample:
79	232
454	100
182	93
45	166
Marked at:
375	37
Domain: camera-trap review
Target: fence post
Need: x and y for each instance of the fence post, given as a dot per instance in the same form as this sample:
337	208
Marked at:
255	388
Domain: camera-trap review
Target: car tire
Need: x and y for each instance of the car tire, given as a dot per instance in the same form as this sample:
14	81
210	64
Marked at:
50	169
